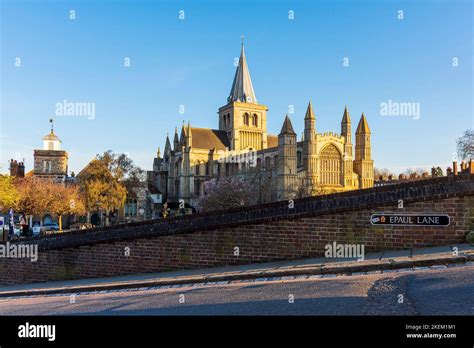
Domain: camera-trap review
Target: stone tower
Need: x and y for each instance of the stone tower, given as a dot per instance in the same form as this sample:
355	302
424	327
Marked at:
363	164
287	165
346	133
51	162
244	120
310	155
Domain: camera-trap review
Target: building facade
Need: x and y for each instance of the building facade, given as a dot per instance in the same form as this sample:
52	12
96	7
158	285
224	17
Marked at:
319	162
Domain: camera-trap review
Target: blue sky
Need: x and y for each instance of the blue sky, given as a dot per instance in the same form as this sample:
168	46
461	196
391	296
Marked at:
190	62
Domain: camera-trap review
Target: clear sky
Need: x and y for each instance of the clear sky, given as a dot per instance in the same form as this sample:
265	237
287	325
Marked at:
190	62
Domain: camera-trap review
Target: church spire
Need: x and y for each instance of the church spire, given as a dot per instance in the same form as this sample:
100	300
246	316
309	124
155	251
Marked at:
242	89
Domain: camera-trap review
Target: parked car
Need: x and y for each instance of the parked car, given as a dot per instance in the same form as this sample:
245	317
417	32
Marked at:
53	227
36	229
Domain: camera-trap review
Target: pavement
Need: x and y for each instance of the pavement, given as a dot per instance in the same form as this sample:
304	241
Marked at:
311	268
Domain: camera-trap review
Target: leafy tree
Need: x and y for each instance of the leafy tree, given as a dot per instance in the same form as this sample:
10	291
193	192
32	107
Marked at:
101	189
33	196
121	166
65	199
465	145
9	195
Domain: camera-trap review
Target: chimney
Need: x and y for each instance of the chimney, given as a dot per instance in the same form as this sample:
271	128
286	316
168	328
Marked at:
455	168
448	171
471	166
21	170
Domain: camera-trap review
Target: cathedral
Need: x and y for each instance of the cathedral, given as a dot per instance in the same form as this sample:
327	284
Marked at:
318	163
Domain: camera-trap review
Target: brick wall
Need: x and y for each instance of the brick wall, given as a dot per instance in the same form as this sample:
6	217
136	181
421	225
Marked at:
262	233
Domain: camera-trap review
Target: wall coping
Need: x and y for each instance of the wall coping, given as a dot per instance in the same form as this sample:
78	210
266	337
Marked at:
420	190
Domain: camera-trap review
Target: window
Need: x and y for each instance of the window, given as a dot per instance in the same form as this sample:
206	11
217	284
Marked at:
246	119
196	168
330	165
299	159
46	166
130	208
197	187
255	120
50	145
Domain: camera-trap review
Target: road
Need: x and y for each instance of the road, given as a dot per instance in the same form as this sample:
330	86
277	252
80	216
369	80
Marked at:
447	291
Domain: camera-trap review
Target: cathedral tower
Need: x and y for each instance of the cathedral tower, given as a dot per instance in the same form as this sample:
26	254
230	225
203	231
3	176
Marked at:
310	156
244	120
363	164
287	165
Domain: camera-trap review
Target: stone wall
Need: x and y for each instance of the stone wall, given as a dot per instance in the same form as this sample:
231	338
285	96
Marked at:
261	233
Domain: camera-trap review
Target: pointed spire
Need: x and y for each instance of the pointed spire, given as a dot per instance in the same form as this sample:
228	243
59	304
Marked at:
167	146
287	127
158	153
363	127
182	137
309	112
242	89
346	118
176	139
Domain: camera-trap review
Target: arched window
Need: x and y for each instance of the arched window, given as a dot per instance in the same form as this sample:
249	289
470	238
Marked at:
331	160
246	119
196	168
299	158
255	120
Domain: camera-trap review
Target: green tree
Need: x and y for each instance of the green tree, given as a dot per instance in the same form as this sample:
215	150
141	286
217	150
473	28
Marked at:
101	189
9	195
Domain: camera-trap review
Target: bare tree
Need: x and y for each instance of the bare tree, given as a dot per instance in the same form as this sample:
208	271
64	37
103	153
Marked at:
465	145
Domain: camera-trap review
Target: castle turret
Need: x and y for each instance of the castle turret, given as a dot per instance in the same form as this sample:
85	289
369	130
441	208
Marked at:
310	157
363	164
286	170
346	133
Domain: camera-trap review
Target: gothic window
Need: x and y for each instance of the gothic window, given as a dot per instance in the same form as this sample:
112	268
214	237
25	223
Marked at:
197	187
255	120
196	168
331	160
299	159
246	119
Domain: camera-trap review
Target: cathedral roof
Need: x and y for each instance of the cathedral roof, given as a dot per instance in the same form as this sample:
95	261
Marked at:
205	138
363	126
287	127
272	140
242	89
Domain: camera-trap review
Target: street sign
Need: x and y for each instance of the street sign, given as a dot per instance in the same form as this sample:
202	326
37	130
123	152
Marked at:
410	219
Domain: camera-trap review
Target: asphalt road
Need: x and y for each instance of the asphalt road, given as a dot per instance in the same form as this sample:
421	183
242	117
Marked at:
425	292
